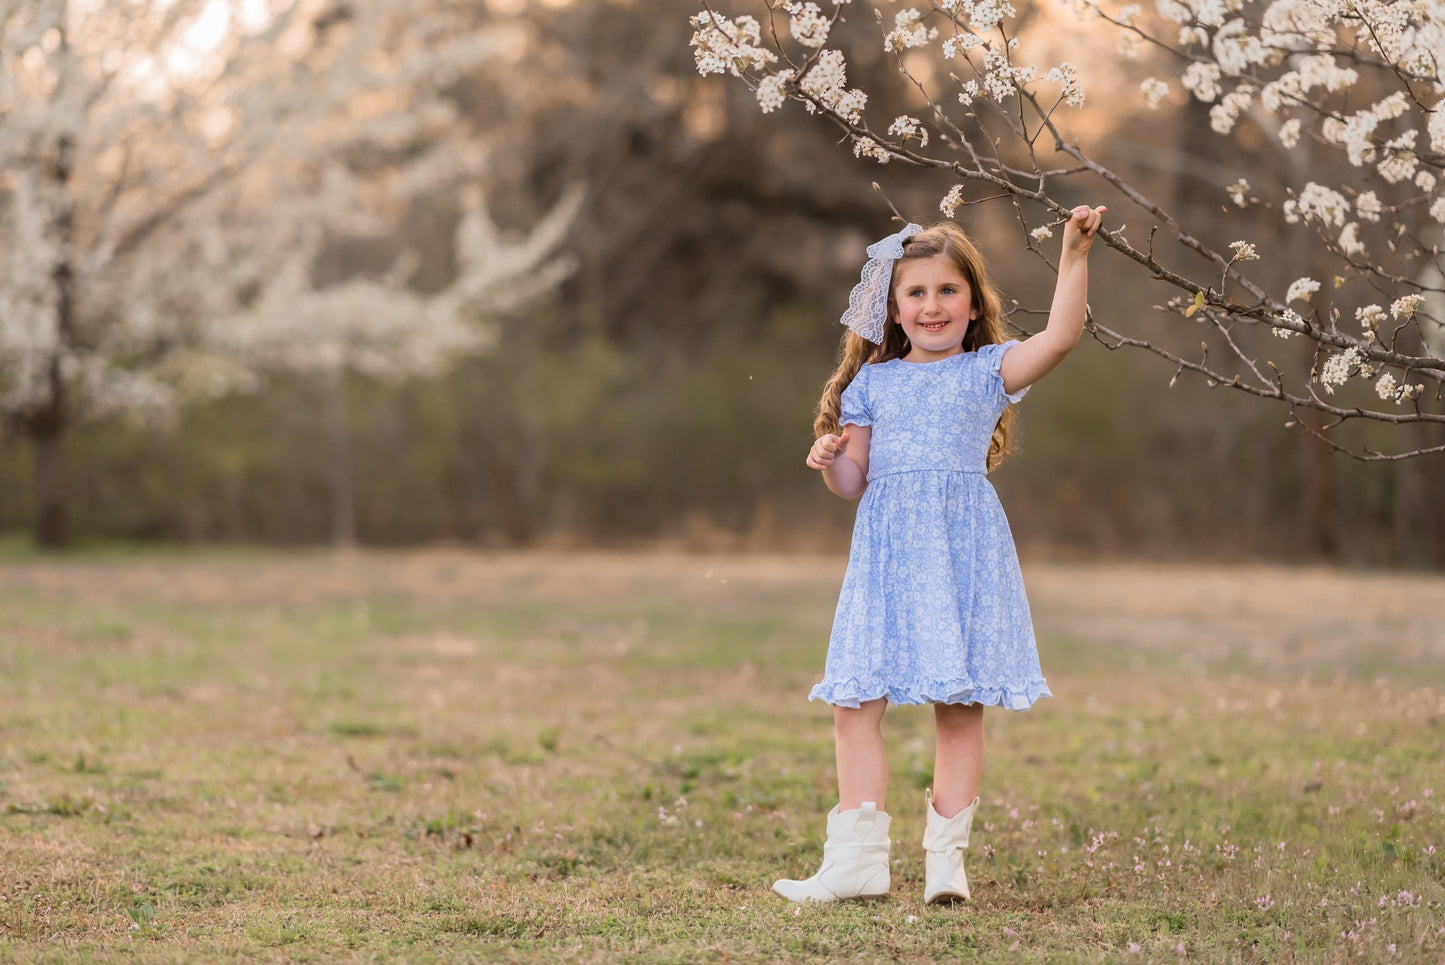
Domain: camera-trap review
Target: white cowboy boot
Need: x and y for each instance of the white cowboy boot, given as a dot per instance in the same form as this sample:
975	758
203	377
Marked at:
944	841
855	859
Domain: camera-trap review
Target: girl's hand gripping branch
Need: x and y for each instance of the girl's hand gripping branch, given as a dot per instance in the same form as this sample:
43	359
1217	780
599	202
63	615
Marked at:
1080	229
843	460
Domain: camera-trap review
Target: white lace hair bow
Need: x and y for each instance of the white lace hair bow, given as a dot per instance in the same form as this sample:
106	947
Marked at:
868	301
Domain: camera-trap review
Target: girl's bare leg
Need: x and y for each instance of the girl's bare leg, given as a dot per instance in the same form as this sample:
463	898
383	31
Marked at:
958	759
862	758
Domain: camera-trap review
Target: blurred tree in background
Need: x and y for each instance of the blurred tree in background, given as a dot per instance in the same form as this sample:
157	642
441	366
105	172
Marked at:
178	179
664	390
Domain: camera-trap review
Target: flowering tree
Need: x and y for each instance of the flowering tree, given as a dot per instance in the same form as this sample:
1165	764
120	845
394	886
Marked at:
172	170
1356	85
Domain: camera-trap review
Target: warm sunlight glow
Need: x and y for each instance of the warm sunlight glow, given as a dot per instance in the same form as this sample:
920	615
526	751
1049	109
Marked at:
190	56
194	53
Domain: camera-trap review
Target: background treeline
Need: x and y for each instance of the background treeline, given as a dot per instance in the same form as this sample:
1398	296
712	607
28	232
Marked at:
664	393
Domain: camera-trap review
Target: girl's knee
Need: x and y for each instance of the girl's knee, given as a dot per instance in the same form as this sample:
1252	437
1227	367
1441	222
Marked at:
866	715
958	716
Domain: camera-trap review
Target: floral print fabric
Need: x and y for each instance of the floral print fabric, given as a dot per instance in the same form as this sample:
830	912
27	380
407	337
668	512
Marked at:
932	608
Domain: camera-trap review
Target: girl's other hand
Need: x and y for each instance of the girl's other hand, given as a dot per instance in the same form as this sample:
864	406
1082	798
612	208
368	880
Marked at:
1079	231
826	449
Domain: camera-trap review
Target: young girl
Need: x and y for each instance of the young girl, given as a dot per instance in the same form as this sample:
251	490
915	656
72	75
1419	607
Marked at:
932	608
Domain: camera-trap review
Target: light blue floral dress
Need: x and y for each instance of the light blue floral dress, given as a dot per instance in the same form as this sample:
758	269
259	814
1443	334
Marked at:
932	608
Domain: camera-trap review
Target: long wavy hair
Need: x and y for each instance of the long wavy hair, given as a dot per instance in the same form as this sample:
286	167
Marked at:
947	239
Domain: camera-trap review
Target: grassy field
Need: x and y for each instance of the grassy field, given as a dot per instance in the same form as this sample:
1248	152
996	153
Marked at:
449	757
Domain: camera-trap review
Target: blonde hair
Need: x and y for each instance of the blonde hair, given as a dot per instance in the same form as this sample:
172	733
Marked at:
947	239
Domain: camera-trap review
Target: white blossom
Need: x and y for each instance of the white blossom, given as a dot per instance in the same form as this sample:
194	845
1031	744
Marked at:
1321	70
1425	181
1001	78
721	45
960	44
1387	388
1243	251
867	147
1370	318
1202	80
1289	133
1067	76
905	127
1406	305
1174	10
773	90
1337	369
1154	91
1436	129
1350	242
1239	192
826	81
908	31
808	24
984	16
1398	167
1319	204
1222	116
1437	210
1367	206
1293	318
850	105
1236	49
951	200
1041	233
1301	289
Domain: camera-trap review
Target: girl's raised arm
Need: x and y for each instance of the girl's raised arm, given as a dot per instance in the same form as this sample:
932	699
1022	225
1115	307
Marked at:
1037	355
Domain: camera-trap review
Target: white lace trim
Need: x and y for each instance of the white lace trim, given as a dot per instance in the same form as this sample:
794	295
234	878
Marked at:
868	301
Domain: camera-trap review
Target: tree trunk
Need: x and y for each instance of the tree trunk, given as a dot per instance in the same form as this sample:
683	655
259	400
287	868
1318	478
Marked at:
47	427
50	518
338	434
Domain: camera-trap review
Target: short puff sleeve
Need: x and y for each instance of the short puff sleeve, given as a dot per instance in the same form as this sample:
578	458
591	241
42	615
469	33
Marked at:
855	407
992	356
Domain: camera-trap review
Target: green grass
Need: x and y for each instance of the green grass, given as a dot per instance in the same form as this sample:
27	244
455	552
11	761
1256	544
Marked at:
442	757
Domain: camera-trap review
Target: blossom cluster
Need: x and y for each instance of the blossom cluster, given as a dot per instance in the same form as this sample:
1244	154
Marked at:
820	79
721	45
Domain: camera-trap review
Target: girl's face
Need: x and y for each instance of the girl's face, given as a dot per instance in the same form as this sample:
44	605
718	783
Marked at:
934	305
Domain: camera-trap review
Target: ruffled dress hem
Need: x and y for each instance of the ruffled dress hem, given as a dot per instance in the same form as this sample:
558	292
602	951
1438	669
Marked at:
852	693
